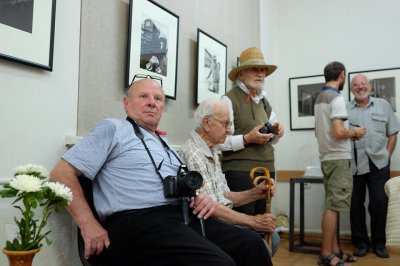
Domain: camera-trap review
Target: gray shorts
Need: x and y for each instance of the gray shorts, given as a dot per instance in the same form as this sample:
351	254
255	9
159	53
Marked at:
338	183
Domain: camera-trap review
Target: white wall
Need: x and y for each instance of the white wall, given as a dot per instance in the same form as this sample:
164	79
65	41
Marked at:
37	109
306	35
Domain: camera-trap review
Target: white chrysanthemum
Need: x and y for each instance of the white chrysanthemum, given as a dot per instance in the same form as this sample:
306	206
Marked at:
30	169
60	190
26	183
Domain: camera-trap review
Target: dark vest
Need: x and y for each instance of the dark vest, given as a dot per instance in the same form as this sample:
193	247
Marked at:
246	117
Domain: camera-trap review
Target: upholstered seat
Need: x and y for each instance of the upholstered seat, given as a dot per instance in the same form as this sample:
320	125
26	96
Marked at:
392	190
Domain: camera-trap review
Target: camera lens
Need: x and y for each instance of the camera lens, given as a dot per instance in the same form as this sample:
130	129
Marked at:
193	180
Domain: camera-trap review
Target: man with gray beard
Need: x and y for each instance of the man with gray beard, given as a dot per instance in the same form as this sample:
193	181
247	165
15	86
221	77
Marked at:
370	165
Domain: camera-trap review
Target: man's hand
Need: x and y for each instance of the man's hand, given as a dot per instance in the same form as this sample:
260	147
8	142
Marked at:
264	222
360	132
95	238
278	128
203	206
254	136
258	192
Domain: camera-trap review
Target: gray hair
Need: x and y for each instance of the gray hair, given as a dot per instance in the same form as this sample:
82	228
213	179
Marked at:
359	75
206	109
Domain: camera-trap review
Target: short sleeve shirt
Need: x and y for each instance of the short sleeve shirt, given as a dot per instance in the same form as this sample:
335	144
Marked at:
123	175
381	122
330	105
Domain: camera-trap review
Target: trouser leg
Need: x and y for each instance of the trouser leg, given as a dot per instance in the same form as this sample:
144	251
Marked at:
378	204
359	233
157	236
245	246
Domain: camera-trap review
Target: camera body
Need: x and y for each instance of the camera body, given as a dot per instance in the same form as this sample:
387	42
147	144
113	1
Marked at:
267	129
184	184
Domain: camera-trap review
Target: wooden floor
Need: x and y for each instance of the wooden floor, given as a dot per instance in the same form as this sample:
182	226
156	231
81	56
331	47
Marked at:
285	258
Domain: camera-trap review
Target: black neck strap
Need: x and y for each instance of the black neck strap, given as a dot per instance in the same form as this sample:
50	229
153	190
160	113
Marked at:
140	135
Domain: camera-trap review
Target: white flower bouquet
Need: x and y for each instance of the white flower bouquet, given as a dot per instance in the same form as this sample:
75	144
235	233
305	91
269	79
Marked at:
31	189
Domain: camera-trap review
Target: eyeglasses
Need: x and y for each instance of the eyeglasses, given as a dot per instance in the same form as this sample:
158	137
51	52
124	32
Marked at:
224	123
359	85
141	76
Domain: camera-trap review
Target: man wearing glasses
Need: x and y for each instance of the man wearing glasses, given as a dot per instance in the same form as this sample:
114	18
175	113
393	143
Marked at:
213	125
125	159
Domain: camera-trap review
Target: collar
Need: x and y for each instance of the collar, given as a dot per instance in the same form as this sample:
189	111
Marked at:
330	88
370	102
203	147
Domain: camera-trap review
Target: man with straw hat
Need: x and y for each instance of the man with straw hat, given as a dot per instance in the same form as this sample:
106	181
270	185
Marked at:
249	110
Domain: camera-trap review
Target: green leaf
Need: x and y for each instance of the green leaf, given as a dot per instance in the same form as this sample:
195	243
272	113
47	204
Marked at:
48	241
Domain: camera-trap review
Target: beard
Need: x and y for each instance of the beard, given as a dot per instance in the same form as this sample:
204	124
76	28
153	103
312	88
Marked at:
361	97
257	87
341	86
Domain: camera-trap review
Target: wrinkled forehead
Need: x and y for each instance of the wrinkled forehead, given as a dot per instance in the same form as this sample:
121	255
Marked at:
146	86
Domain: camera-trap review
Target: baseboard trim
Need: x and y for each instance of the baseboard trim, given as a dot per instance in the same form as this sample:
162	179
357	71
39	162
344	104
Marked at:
285	175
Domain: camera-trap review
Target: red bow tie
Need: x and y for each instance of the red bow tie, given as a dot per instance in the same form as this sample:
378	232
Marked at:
249	95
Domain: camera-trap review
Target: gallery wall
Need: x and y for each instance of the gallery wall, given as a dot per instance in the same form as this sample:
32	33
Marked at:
38	109
104	37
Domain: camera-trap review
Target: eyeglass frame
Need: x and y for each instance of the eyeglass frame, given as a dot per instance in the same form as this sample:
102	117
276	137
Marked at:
225	124
143	76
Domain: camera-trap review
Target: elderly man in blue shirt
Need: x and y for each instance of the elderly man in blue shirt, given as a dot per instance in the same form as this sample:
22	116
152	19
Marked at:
370	165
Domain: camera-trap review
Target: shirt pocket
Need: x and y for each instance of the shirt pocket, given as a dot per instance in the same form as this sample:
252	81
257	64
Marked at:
379	122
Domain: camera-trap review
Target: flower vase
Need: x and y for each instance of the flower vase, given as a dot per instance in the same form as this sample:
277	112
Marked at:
21	258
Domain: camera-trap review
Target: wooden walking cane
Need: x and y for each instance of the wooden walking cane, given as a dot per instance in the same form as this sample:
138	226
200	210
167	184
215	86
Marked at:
266	177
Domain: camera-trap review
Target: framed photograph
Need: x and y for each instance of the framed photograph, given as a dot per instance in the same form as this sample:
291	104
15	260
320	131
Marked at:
303	92
27	32
153	44
383	82
211	67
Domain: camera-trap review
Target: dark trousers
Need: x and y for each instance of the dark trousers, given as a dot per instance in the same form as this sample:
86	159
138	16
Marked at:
378	202
157	236
240	181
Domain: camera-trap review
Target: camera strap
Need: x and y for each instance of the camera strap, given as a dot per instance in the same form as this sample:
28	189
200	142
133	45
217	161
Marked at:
140	135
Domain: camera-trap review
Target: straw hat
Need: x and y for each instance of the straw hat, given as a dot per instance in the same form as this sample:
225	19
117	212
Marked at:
251	57
392	190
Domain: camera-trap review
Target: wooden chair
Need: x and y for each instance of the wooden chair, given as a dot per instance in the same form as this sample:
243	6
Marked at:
94	260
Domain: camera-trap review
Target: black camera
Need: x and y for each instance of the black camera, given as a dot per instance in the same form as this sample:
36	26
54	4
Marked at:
184	184
267	129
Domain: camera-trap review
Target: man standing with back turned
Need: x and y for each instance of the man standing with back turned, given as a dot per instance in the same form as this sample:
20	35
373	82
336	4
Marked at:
370	165
333	136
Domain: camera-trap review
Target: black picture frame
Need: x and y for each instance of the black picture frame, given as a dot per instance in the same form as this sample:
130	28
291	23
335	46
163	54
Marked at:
383	82
27	33
211	67
303	92
153	35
